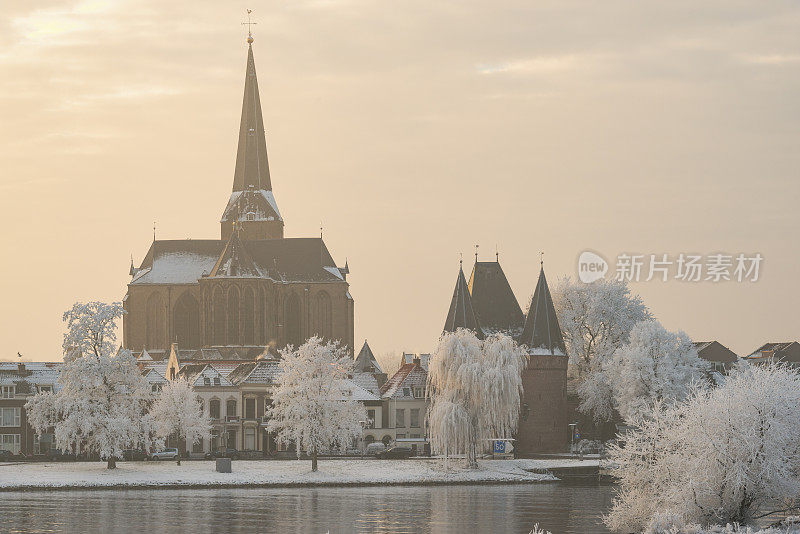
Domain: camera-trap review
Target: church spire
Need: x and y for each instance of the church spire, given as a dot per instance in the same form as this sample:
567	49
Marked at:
252	205
252	167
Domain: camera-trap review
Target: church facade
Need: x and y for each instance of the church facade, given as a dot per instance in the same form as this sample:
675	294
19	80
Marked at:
250	291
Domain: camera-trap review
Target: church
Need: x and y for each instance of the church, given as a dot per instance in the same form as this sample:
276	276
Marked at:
249	292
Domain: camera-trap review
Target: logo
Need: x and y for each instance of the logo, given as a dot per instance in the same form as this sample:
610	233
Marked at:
591	267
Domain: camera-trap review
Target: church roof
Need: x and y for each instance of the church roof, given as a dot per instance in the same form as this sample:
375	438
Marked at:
461	313
493	300
252	167
541	333
366	362
235	261
185	261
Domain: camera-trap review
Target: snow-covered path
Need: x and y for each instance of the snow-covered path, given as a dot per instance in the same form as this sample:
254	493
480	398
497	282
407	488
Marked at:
272	473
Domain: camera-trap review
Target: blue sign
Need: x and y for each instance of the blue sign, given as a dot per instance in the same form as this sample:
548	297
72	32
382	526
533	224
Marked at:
499	447
577	435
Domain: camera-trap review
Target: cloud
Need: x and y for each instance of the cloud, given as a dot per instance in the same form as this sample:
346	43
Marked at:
770	59
539	64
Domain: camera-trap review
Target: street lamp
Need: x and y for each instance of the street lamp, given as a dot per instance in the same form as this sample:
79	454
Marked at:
572	427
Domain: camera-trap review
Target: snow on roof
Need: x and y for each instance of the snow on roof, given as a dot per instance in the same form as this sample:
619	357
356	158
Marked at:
335	272
39	373
176	268
154	377
145	356
408	376
367	381
205	375
408	357
359	393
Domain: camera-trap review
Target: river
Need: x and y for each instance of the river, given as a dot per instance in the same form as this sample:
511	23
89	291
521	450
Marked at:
562	508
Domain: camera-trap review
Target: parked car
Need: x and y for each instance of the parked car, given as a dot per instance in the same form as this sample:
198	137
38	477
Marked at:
166	454
376	447
395	453
58	455
134	455
231	453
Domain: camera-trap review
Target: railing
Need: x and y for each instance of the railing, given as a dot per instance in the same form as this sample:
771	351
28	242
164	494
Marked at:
232	419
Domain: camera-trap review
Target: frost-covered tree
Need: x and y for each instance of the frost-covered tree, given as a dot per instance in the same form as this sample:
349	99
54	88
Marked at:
312	405
717	458
101	396
596	319
654	365
178	412
475	392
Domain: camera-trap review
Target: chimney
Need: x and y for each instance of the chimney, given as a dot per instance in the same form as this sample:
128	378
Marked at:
21	367
417	360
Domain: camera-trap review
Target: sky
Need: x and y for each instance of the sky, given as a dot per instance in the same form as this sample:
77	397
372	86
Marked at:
410	131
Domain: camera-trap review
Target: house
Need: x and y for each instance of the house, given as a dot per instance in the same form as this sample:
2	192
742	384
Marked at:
787	352
721	357
405	405
18	382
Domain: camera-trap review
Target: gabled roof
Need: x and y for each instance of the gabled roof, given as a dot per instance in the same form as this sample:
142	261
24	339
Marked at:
541	333
408	357
366	362
235	261
461	313
367	381
260	372
493	300
779	351
358	392
197	374
144	356
408	376
714	351
152	376
185	261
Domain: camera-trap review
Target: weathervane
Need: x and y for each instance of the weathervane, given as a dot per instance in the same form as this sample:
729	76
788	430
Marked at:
249	25
541	258
476	253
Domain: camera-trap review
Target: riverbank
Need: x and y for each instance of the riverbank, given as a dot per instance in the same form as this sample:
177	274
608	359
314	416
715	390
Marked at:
278	473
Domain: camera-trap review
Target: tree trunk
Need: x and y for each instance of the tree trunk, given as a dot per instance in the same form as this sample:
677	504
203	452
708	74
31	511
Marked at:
313	460
112	462
179	457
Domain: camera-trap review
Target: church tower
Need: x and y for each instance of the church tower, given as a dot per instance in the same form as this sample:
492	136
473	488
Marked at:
252	205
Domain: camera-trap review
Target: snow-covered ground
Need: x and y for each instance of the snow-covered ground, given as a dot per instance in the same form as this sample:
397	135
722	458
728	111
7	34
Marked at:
273	473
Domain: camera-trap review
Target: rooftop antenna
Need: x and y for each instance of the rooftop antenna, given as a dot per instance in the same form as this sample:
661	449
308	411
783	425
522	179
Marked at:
249	25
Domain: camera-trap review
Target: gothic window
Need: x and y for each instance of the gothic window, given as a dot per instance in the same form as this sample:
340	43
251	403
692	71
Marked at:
292	320
156	331
219	316
187	322
249	316
323	319
233	317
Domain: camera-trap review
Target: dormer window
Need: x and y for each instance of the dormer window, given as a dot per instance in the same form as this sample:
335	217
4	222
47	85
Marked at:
419	393
7	392
45	389
206	381
216	381
250	216
407	392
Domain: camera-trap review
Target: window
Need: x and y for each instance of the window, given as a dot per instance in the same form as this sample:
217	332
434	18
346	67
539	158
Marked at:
406	392
9	417
414	417
249	439
230	408
206	381
7	392
213	408
400	418
198	447
216	380
419	393
250	408
10	442
45	389
156	388
370	419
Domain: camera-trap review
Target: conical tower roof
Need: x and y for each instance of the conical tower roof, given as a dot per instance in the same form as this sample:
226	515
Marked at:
366	362
542	334
461	313
493	300
252	167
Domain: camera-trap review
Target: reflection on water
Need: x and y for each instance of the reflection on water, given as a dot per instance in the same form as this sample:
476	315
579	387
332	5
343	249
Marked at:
559	507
